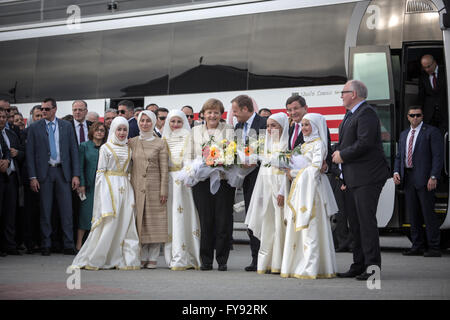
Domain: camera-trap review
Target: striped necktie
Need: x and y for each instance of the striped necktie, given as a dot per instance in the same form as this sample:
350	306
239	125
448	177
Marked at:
410	149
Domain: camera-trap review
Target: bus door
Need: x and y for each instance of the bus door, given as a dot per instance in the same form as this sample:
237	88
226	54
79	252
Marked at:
412	53
373	66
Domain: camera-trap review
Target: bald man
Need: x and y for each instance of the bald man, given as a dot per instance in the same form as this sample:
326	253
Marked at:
433	93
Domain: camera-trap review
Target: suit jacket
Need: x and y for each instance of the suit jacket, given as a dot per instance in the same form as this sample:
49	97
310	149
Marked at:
300	140
428	155
14	142
361	149
133	129
257	124
89	123
38	150
430	98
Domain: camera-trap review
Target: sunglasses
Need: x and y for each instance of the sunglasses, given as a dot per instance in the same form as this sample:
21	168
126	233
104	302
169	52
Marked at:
342	92
415	115
190	116
162	118
46	109
122	111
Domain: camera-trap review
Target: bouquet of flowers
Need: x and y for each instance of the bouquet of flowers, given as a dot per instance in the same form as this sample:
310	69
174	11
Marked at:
221	154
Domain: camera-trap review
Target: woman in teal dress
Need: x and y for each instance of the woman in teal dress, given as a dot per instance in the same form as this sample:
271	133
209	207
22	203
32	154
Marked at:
88	152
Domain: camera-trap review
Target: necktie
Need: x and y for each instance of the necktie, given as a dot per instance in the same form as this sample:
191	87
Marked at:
347	116
295	135
434	81
410	147
5	149
245	132
82	138
51	140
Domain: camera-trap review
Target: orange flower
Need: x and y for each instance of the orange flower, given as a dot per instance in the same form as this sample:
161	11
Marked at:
214	153
248	151
209	161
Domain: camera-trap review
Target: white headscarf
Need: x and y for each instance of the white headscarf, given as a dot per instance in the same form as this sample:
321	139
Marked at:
319	129
282	144
147	136
112	131
167	132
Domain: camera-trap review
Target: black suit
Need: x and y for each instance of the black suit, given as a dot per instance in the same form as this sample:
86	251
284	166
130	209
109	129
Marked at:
250	180
427	160
365	170
133	130
434	101
9	188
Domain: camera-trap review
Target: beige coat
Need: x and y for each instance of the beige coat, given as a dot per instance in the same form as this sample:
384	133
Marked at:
149	177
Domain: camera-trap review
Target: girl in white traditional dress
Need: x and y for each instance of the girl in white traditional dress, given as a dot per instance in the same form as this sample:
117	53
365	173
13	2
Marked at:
265	215
182	252
113	240
308	247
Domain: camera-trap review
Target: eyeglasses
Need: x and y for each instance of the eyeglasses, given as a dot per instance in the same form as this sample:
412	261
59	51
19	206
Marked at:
46	109
190	116
162	118
415	115
347	91
100	130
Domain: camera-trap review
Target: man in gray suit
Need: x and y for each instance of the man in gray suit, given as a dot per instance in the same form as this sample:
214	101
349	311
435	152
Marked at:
54	170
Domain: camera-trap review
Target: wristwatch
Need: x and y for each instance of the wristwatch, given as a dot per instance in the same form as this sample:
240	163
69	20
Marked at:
433	177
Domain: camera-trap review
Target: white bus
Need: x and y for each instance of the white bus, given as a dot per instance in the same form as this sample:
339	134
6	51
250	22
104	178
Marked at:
183	54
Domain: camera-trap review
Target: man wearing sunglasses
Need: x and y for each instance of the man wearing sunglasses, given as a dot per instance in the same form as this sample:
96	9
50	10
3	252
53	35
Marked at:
418	166
189	112
126	109
54	170
161	116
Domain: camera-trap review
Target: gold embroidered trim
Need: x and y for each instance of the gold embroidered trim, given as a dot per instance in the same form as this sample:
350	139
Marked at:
99	221
298	276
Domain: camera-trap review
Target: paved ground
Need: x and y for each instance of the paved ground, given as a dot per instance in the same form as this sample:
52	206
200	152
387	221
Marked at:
38	277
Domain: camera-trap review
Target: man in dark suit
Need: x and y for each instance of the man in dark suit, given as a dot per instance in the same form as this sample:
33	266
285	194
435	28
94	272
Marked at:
81	129
418	165
161	116
433	93
54	170
11	154
296	108
248	126
365	171
126	109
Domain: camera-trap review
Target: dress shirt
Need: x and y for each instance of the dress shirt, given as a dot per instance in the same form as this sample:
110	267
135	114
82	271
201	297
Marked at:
58	157
77	130
293	133
249	125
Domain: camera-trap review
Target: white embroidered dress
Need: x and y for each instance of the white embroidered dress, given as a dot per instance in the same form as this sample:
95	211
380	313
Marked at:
308	247
264	217
182	252
113	240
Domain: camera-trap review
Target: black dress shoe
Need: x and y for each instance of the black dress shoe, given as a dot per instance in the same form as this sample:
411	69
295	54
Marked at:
222	267
29	250
13	252
206	267
252	267
70	251
432	253
348	274
363	276
3	254
45	251
413	252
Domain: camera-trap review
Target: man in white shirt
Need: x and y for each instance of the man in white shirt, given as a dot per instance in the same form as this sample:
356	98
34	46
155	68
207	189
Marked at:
80	124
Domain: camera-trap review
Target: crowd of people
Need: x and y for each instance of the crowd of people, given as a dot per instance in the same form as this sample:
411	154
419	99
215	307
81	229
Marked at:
109	193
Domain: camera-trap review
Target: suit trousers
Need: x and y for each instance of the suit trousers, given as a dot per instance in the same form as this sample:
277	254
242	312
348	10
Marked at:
341	232
31	218
420	209
215	212
8	206
56	187
248	186
361	205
